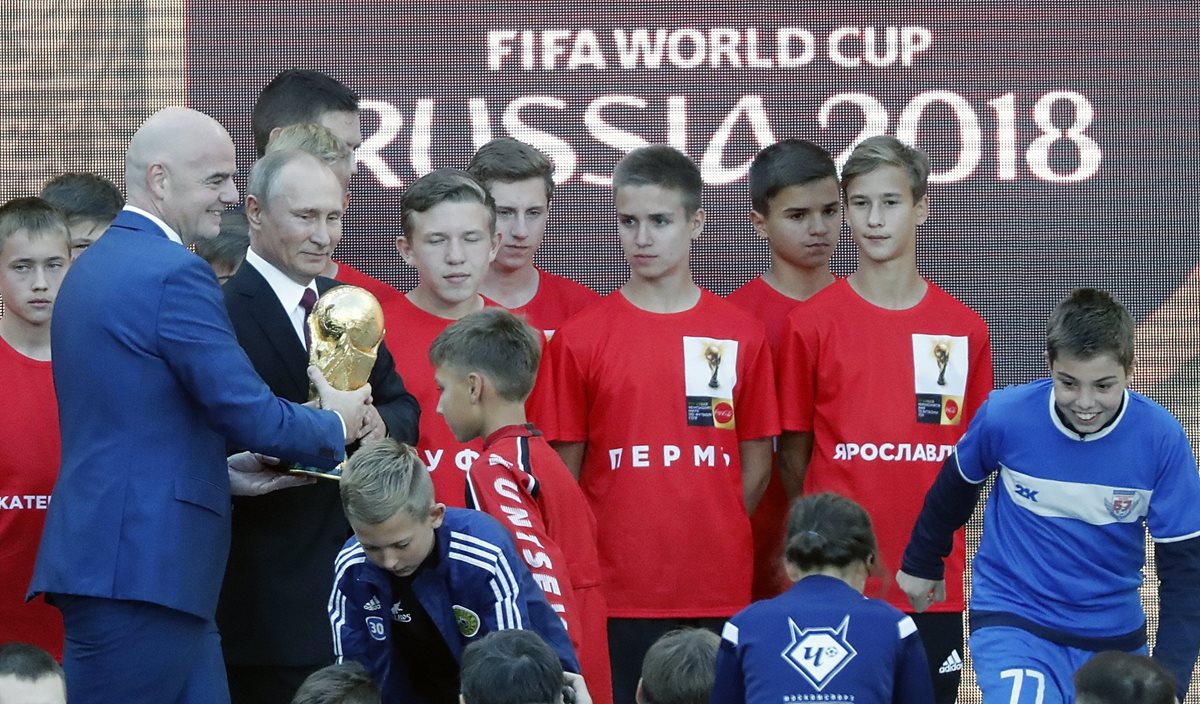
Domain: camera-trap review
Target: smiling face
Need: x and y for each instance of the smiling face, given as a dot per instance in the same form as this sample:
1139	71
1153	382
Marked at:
882	214
198	187
297	229
802	223
656	232
401	543
32	266
521	208
1088	392
451	246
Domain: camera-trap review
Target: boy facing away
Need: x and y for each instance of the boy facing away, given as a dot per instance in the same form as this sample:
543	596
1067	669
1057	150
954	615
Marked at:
797	207
34	255
1084	465
419	582
485	366
521	180
879	374
666	414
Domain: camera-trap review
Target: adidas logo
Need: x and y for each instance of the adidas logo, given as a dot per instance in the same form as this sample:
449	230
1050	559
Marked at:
953	663
373	604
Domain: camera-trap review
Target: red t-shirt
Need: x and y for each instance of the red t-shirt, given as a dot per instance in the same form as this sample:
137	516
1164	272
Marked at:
557	299
769	521
886	394
662	401
521	482
409	331
349	275
29	459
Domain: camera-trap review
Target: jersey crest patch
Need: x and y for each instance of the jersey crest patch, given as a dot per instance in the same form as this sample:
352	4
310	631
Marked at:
819	654
467	621
1121	503
940	371
710	375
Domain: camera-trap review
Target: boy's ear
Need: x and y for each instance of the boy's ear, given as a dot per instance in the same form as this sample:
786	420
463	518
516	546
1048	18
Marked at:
758	221
697	223
404	247
437	513
638	695
475	382
923	209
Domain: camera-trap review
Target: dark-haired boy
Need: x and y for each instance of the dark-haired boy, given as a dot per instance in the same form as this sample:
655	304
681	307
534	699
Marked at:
680	668
449	237
879	374
797	207
1084	466
419	582
665	410
29	675
34	256
1113	677
521	181
90	202
516	667
485	365
226	252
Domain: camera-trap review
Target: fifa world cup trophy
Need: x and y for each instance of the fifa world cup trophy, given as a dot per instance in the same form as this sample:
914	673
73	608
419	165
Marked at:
346	327
941	354
712	354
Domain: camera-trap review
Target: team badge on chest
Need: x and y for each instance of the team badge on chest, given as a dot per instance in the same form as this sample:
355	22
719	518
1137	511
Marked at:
940	372
710	375
819	654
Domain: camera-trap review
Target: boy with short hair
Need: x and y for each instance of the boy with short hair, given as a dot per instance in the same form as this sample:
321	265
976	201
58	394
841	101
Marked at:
485	366
89	202
34	255
680	668
516	667
521	180
419	582
1113	677
879	374
797	207
666	409
1084	466
30	674
449	237
226	252
341	683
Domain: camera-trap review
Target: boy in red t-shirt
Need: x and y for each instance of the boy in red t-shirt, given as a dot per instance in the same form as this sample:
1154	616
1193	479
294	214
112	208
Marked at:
666	415
485	365
879	375
449	237
35	251
797	208
521	180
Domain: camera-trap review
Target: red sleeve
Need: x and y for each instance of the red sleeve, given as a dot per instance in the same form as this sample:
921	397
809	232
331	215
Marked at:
798	358
568	423
981	381
757	395
496	486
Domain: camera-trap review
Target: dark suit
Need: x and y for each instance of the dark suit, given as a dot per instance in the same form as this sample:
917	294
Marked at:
151	386
272	612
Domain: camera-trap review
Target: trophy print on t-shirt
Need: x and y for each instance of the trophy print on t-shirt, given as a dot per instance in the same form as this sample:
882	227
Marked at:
940	370
710	374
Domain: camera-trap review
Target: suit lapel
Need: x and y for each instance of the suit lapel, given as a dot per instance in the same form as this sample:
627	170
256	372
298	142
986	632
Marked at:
274	325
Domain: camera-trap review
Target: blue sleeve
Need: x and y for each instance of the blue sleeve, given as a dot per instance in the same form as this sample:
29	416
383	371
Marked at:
912	683
196	340
729	686
948	506
1178	640
1173	515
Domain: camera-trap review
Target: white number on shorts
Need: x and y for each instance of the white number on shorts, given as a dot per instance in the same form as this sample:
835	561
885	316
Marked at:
1018	677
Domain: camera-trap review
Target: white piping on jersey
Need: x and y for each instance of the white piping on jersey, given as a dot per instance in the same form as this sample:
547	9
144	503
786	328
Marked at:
1062	428
349	556
958	466
490	558
907	627
1177	539
1090	503
730	633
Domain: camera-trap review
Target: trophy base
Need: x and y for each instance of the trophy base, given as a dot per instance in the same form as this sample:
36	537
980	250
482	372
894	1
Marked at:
334	474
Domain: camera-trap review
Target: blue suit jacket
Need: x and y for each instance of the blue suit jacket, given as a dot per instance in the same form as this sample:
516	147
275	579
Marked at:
151	386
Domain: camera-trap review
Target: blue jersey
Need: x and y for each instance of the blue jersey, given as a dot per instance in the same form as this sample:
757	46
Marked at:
1063	543
821	641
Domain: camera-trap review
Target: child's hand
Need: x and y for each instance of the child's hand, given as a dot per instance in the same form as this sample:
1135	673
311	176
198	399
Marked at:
921	593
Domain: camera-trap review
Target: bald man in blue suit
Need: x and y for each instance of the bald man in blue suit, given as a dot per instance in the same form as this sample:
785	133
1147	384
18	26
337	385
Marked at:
151	386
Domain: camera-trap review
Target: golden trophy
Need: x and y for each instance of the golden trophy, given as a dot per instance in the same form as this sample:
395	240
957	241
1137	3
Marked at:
712	355
346	327
941	355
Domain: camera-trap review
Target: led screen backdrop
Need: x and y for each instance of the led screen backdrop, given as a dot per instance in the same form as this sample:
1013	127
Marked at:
1062	136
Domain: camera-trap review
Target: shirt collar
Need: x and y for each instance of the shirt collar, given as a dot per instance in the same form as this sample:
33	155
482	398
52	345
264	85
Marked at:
510	431
1111	425
170	233
287	291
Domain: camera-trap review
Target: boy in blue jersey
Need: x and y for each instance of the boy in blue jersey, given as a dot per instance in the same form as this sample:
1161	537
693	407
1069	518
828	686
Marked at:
420	582
1083	463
